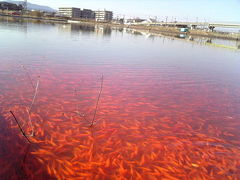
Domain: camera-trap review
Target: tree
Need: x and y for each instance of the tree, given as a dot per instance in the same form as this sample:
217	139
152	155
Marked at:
211	28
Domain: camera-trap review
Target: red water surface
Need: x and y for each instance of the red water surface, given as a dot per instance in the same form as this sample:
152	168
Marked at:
151	124
169	109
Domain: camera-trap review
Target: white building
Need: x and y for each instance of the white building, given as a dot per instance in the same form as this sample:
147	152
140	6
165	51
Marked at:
70	12
103	16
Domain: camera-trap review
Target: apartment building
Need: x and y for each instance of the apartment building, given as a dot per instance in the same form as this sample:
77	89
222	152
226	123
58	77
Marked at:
103	16
87	14
71	12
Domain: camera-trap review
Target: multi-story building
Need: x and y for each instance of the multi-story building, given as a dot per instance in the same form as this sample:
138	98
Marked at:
70	12
103	16
87	14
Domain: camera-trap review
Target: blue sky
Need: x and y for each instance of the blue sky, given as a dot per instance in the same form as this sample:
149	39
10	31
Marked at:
210	10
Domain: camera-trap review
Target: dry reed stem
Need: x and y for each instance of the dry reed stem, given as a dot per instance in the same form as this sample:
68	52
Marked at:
77	107
28	75
31	106
98	98
35	94
96	108
35	88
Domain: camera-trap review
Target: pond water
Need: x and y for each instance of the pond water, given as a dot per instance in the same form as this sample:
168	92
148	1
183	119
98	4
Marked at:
231	30
168	109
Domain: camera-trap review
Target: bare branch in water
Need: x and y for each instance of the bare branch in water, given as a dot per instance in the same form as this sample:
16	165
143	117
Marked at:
35	88
28	75
31	106
22	131
35	95
26	154
98	98
82	115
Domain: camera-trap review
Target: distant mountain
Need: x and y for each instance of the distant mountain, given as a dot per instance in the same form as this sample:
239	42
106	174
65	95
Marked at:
31	6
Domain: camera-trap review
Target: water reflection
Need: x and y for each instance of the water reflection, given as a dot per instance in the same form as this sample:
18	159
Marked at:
181	36
238	44
11	23
106	31
23	25
76	29
229	44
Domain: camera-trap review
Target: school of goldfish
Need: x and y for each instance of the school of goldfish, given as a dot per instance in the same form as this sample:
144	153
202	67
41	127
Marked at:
134	137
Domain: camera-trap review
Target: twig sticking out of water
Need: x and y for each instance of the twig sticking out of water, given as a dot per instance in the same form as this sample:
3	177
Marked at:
77	107
22	131
35	94
98	98
35	89
28	75
31	106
